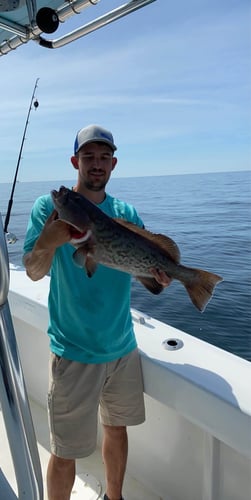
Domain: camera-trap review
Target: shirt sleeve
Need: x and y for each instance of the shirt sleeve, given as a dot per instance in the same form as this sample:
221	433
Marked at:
41	210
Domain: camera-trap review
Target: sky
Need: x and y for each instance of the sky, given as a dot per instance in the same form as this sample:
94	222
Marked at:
171	81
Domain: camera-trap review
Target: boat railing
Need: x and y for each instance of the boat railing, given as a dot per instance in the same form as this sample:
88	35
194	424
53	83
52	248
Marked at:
14	401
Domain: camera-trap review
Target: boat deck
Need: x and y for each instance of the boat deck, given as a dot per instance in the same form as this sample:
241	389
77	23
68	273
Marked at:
89	483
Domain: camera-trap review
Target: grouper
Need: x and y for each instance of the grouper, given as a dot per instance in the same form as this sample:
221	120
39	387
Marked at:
122	245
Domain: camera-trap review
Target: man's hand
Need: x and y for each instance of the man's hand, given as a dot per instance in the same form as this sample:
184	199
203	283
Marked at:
55	233
161	277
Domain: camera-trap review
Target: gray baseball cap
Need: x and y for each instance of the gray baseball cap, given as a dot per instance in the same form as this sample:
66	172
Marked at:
93	133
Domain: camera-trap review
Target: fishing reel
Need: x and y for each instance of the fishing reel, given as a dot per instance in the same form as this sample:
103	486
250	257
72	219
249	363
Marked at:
10	238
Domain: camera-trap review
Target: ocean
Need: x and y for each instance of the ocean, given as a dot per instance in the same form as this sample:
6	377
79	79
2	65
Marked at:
208	215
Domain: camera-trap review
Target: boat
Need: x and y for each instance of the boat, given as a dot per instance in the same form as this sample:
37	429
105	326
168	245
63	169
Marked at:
196	441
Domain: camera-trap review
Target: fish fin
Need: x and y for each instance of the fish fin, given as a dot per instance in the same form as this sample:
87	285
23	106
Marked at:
90	266
79	257
168	245
202	287
84	259
151	284
164	242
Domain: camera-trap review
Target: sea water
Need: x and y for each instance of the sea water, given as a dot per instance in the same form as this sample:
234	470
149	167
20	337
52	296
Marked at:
209	217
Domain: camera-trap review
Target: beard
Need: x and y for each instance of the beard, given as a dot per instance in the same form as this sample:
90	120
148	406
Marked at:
95	185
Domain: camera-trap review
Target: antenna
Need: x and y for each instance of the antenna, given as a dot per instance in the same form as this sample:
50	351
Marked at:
11	238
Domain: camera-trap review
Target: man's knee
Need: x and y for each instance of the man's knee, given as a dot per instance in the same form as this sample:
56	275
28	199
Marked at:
62	463
115	430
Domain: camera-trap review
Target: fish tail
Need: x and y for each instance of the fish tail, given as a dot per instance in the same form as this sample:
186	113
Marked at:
201	287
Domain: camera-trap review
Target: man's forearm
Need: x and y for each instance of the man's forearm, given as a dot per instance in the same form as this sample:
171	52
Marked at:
54	234
38	262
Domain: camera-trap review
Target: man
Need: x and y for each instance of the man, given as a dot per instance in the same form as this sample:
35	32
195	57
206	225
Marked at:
94	357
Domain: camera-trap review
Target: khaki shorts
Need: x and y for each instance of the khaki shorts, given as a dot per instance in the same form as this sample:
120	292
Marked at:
78	390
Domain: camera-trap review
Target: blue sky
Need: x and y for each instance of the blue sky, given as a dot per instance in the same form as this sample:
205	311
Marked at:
171	81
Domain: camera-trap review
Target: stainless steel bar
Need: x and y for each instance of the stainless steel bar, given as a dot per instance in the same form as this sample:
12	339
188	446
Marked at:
13	396
74	6
32	11
25	33
4	267
14	28
65	12
101	21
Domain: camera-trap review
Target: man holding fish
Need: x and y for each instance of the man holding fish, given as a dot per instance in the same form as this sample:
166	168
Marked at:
94	359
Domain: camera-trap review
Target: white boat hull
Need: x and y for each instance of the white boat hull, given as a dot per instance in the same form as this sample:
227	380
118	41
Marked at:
196	441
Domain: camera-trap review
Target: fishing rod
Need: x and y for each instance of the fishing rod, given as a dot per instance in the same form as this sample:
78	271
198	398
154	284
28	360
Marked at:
12	238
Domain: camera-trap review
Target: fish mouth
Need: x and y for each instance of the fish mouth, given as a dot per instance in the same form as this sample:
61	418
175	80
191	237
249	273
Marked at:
60	197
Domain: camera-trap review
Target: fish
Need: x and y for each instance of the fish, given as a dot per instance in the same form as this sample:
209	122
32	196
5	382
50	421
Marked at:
124	246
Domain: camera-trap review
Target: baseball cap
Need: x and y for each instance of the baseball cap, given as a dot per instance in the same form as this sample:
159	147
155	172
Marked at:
93	133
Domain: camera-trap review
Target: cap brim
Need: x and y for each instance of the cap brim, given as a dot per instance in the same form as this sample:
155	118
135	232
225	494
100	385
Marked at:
112	146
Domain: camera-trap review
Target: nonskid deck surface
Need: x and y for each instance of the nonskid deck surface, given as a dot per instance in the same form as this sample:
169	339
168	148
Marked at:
89	484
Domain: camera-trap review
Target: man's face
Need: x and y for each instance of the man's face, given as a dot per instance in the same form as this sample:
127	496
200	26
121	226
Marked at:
95	162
